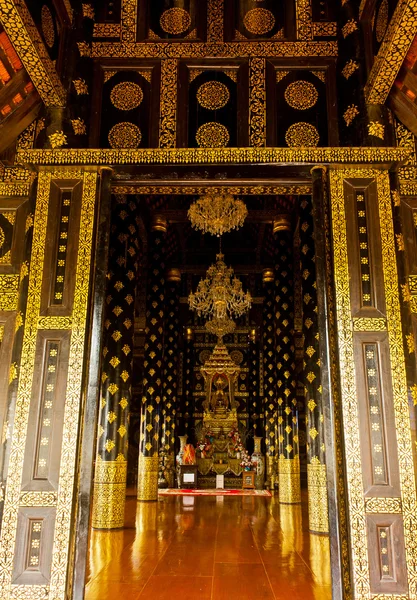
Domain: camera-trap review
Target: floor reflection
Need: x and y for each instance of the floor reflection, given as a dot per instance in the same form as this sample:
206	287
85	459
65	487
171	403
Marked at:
210	547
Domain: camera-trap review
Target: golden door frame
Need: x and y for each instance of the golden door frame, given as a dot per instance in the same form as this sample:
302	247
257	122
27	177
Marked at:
72	500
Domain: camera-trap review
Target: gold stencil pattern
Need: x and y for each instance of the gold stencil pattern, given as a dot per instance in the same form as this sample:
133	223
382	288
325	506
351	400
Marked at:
212	135
213	95
2	237
126	95
125	135
175	21
47	23
259	21
302	135
301	95
381	21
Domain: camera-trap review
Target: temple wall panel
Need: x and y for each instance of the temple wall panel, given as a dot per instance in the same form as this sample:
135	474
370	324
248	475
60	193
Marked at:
43	438
376	419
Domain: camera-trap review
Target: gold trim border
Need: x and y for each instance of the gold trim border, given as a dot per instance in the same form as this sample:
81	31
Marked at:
97	157
24	390
185	189
31	50
397	41
399	380
354	479
213	49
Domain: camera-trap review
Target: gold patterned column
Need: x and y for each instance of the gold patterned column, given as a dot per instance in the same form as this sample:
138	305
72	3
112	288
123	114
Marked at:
170	375
316	451
151	406
288	460
168	106
112	436
257	102
270	377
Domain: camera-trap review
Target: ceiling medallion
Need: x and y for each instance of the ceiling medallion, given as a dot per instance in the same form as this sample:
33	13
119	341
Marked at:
175	21
259	21
212	135
126	95
381	21
213	95
125	135
217	214
47	23
302	135
220	297
301	95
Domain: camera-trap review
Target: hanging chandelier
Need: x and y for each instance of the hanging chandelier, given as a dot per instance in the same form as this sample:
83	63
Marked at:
217	214
220	297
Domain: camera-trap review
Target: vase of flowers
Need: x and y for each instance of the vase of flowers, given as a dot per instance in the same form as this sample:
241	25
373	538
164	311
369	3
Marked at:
246	461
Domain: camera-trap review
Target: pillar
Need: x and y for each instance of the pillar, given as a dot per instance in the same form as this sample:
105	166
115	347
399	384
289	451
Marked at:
255	398
187	409
288	451
170	376
269	377
116	379
316	451
151	406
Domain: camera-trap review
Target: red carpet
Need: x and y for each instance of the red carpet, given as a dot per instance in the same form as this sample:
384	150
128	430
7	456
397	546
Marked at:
176	492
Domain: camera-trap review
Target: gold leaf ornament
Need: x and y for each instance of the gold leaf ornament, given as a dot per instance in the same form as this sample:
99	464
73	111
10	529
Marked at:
175	21
213	95
259	21
301	95
125	135
212	135
126	95
302	135
47	24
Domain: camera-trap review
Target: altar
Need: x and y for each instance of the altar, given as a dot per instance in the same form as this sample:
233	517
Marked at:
220	449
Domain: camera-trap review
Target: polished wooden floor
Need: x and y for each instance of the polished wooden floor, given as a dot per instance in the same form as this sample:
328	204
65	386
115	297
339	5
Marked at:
210	548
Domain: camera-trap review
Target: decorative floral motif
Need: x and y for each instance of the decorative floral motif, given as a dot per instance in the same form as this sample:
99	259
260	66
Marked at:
88	11
302	135
58	139
79	126
212	135
349	27
125	135
301	95
175	21
259	21
47	24
350	113
80	86
213	95
376	129
126	95
350	67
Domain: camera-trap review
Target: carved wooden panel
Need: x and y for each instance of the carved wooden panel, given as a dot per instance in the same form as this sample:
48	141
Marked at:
387	554
364	250
62	246
33	555
376	415
128	107
43	444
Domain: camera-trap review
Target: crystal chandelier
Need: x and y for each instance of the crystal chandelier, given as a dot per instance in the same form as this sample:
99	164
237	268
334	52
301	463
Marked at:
217	214
220	297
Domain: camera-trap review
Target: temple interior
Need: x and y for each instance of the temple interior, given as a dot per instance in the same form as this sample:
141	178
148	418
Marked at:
208	299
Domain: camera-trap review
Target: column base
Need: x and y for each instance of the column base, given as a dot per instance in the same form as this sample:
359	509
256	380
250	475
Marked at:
318	514
148	478
289	480
109	495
